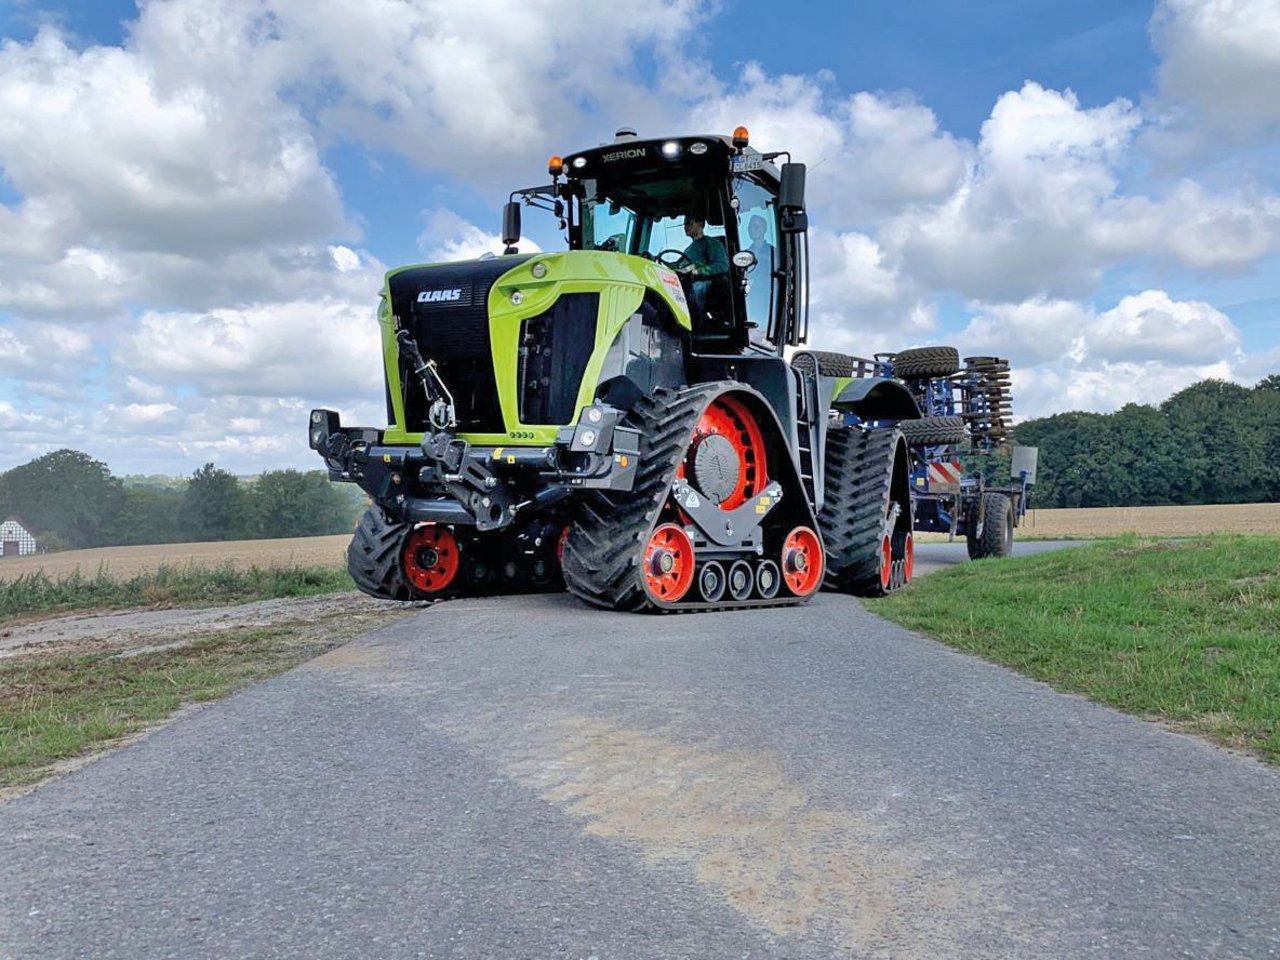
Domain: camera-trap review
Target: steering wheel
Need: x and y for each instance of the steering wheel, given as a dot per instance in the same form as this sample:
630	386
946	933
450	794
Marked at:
678	262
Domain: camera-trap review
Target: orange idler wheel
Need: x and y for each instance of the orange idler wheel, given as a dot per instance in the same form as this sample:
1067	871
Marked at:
908	559
430	558
728	417
886	563
802	561
668	564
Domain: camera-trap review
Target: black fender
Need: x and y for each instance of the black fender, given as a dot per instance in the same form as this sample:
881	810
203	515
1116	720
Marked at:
878	398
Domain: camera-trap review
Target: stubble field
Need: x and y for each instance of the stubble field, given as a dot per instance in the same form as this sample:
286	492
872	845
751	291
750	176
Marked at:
1257	518
131	561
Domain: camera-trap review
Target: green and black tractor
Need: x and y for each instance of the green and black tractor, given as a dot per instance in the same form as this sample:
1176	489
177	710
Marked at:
629	418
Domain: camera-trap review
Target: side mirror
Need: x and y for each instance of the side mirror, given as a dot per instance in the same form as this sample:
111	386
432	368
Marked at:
791	199
511	226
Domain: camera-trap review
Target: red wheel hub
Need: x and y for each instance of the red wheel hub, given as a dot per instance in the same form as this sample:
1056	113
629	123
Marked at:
802	561
886	562
430	558
668	564
908	559
729	418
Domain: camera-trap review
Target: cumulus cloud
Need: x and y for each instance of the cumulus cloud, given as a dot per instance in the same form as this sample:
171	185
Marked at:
1068	355
1219	71
298	348
447	236
869	154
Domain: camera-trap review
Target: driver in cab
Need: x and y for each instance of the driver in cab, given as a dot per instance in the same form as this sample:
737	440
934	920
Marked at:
704	257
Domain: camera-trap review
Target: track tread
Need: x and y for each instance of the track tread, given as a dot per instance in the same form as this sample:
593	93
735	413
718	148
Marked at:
601	557
859	472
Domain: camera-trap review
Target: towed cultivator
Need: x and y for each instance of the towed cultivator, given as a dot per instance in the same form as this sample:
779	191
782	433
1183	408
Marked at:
620	417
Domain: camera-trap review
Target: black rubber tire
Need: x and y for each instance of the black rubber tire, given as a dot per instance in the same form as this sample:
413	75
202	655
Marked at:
922	362
373	556
996	537
931	431
826	363
859	477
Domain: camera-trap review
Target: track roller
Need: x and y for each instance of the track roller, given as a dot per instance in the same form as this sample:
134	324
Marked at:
768	580
712	581
741	580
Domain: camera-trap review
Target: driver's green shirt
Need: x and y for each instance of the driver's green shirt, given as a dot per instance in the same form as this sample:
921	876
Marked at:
708	257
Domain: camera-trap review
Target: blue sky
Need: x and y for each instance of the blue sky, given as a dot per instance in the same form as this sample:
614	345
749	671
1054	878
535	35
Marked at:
198	197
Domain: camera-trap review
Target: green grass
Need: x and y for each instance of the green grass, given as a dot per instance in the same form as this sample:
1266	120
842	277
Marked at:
38	594
1187	631
57	707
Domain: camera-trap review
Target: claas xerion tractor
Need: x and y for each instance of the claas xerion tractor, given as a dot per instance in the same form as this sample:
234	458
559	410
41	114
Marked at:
621	417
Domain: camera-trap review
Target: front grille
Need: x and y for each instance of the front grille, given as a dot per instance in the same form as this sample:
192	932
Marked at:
445	308
554	349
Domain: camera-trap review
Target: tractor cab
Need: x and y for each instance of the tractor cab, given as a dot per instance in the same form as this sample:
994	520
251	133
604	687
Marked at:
710	209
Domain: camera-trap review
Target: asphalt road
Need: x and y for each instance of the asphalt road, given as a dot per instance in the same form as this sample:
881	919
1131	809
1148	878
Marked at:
527	778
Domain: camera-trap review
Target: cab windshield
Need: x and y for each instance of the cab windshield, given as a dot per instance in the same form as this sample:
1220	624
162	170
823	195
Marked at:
646	218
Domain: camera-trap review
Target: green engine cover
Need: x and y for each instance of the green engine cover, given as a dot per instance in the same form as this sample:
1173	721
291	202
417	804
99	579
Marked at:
528	290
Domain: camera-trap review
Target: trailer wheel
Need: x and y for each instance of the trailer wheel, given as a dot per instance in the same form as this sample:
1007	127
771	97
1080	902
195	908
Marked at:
994	536
373	556
932	431
923	362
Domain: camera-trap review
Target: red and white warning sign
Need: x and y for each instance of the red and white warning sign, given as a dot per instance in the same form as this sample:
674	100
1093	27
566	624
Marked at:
945	473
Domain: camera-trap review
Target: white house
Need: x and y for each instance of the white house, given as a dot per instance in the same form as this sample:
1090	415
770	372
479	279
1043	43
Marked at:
17	537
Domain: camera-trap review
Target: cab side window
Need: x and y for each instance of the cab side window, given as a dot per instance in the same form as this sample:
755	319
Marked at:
758	233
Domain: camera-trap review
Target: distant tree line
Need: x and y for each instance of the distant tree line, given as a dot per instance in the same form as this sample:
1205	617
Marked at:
74	502
1214	442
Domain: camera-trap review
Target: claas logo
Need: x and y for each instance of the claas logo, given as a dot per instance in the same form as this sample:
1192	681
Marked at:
439	296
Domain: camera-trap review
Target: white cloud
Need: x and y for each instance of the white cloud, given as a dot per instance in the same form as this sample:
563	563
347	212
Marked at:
156	163
311	348
447	236
1068	356
1152	326
868	154
1219	70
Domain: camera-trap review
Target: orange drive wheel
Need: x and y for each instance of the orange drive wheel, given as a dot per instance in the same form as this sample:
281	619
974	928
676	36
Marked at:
886	563
729	418
802	561
430	558
908	558
668	564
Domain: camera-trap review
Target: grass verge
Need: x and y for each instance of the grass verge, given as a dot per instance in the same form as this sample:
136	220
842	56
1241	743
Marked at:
1186	631
38	593
54	708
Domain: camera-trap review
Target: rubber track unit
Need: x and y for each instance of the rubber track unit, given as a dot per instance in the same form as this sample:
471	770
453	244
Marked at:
602	555
926	362
373	556
929	431
859	479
